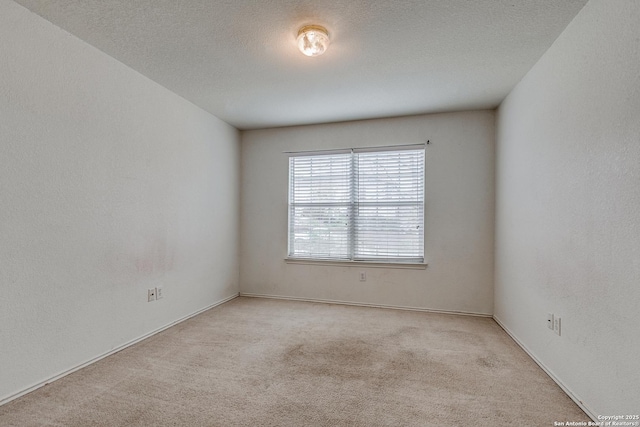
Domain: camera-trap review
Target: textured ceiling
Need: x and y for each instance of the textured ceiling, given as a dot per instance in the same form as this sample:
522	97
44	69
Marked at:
238	58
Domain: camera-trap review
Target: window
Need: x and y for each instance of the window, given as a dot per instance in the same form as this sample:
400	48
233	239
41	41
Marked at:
357	205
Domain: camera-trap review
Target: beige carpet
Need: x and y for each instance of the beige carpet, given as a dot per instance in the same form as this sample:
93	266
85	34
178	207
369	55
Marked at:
258	362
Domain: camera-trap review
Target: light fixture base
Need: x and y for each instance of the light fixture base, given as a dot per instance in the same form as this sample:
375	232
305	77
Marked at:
313	40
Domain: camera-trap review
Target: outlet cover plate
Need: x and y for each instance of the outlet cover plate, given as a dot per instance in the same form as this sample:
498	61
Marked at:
557	325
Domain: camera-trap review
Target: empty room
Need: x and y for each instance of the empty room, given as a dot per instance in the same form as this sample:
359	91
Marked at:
319	213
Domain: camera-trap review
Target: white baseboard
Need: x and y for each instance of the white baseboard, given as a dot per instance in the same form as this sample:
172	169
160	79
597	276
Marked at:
360	304
49	380
549	372
109	353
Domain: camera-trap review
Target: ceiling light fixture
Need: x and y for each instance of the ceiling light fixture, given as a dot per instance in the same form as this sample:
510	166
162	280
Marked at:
313	40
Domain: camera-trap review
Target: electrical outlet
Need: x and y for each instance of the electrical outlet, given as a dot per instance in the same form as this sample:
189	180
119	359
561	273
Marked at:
550	321
159	292
151	295
557	326
363	276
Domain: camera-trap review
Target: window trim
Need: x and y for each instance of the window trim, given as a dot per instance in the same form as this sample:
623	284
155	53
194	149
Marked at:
401	263
349	263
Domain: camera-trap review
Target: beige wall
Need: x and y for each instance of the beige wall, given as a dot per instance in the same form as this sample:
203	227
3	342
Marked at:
459	214
568	208
109	185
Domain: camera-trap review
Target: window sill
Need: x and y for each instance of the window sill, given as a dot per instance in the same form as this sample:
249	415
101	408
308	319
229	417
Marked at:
373	264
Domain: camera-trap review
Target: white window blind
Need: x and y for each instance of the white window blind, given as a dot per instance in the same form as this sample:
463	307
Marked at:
362	205
320	206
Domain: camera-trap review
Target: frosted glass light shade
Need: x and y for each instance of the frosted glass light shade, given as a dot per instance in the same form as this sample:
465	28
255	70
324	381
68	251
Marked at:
313	40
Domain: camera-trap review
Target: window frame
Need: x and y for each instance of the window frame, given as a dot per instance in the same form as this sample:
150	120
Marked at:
399	262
